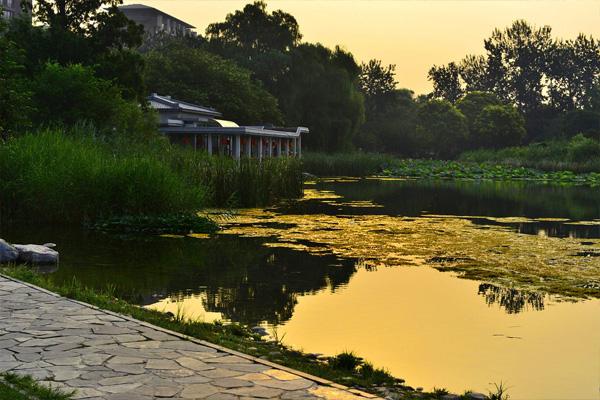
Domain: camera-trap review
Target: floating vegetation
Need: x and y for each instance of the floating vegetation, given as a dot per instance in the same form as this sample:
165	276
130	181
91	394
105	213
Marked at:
495	254
171	224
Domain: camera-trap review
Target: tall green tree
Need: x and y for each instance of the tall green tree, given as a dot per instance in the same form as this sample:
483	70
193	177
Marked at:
377	82
88	32
195	75
441	128
321	92
446	82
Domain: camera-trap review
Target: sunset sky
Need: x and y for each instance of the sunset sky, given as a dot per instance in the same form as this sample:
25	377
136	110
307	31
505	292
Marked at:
414	35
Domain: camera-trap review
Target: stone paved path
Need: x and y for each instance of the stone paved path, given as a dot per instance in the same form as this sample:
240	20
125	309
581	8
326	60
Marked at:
102	355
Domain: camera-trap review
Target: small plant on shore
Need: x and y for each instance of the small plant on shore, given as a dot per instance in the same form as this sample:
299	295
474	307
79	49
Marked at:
346	360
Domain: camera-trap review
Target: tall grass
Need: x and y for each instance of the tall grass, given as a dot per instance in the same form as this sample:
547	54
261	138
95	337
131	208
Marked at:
54	175
345	164
579	154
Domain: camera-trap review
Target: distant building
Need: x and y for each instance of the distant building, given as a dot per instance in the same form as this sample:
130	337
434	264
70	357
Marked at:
203	129
156	21
11	8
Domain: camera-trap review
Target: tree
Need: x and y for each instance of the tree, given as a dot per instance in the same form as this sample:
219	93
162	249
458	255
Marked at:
73	94
377	83
393	131
520	54
15	108
499	126
320	90
471	105
441	128
254	30
197	76
446	82
88	32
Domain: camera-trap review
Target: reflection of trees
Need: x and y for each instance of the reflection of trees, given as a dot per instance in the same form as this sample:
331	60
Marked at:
512	300
477	198
243	280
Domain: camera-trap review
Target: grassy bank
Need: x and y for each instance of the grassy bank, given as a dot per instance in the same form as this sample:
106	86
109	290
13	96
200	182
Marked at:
363	164
345	368
578	155
76	176
15	387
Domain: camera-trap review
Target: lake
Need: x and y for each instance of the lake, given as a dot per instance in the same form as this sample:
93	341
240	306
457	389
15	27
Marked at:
376	266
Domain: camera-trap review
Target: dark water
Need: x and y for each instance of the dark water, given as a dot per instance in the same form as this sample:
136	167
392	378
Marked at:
249	283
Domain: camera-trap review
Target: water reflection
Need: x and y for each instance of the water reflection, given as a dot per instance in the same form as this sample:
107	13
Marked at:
512	300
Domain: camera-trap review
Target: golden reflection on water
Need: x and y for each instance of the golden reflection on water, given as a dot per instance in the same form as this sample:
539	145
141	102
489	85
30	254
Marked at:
428	327
485	252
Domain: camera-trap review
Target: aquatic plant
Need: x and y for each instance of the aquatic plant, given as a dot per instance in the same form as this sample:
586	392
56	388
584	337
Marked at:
178	223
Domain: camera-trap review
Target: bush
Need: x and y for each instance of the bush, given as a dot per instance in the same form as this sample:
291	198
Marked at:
582	148
442	127
345	164
582	121
499	126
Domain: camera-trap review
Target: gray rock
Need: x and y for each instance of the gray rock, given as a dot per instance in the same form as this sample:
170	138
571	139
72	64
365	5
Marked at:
8	253
477	396
36	254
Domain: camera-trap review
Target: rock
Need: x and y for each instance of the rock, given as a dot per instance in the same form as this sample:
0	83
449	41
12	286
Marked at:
49	245
36	254
259	330
8	253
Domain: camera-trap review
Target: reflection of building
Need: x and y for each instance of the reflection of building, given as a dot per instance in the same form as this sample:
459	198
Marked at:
201	127
11	8
156	21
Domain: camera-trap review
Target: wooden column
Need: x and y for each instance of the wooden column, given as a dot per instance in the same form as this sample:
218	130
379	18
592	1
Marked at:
278	147
209	144
260	147
195	141
300	145
270	144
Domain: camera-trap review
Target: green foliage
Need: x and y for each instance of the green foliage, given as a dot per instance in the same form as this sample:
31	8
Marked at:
441	127
320	91
178	223
253	29
498	126
547	156
446	83
79	176
68	95
471	105
582	121
346	360
50	176
15	108
197	76
19	387
345	164
377	84
582	148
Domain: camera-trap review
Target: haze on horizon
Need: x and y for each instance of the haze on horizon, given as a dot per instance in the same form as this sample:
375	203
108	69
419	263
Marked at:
414	35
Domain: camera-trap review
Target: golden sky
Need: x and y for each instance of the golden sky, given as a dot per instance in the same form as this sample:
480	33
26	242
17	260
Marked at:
414	35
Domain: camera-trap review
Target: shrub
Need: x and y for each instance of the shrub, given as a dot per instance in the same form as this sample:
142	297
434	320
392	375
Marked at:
499	126
442	127
582	148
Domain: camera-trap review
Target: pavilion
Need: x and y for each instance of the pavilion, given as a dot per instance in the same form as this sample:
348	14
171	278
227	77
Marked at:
203	129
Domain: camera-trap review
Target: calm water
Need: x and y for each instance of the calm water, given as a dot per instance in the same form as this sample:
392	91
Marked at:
428	327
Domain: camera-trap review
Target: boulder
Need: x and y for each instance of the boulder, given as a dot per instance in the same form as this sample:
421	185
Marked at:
36	254
8	253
